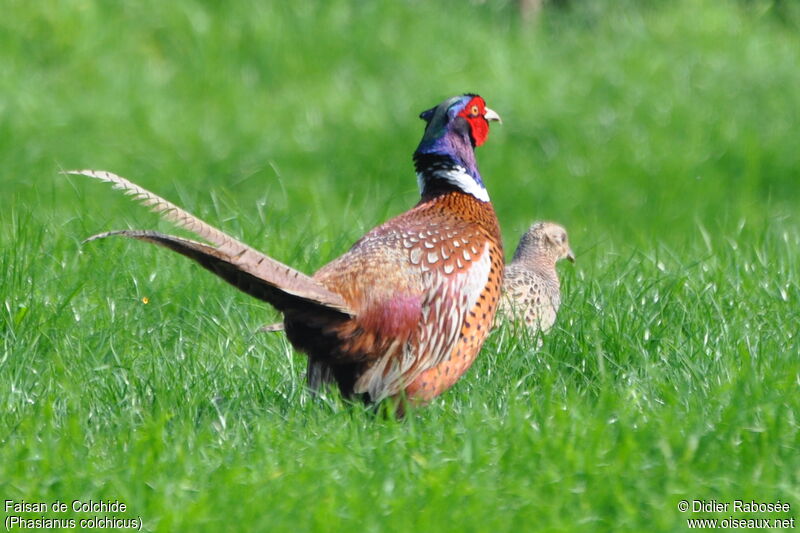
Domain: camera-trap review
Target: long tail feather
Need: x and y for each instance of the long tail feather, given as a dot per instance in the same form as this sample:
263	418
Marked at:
166	209
223	266
229	255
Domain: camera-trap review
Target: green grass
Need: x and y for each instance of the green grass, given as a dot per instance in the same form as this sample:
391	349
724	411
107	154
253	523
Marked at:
662	135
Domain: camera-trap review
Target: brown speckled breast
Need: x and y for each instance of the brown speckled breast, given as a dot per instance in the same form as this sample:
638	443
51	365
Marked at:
478	317
474	330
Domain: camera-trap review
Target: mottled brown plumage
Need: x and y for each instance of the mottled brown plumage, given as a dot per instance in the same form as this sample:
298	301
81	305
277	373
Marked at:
531	288
407	308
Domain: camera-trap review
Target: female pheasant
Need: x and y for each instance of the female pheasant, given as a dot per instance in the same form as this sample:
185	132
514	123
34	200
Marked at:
531	289
405	310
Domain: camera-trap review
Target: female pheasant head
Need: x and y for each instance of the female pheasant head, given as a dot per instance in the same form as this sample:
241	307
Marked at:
543	245
445	158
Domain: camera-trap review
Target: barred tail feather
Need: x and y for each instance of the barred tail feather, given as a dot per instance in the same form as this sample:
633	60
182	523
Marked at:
239	264
166	209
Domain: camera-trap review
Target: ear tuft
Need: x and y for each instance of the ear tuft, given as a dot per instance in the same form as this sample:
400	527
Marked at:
427	115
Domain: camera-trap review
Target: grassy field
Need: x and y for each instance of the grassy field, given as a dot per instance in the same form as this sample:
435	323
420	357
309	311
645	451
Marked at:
664	136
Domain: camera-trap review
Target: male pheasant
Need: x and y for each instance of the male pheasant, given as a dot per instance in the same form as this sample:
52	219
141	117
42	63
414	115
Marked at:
405	311
531	290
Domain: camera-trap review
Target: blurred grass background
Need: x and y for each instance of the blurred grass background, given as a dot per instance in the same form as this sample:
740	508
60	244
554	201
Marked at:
662	135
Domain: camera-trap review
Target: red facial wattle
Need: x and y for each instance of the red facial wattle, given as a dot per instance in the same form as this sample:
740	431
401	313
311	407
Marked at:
474	113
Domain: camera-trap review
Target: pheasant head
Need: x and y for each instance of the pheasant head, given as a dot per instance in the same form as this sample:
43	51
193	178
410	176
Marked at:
445	158
543	245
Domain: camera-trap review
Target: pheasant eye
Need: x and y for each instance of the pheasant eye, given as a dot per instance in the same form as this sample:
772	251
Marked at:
474	110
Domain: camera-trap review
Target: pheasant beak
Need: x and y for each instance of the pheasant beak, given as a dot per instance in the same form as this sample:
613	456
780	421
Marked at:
491	116
570	255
